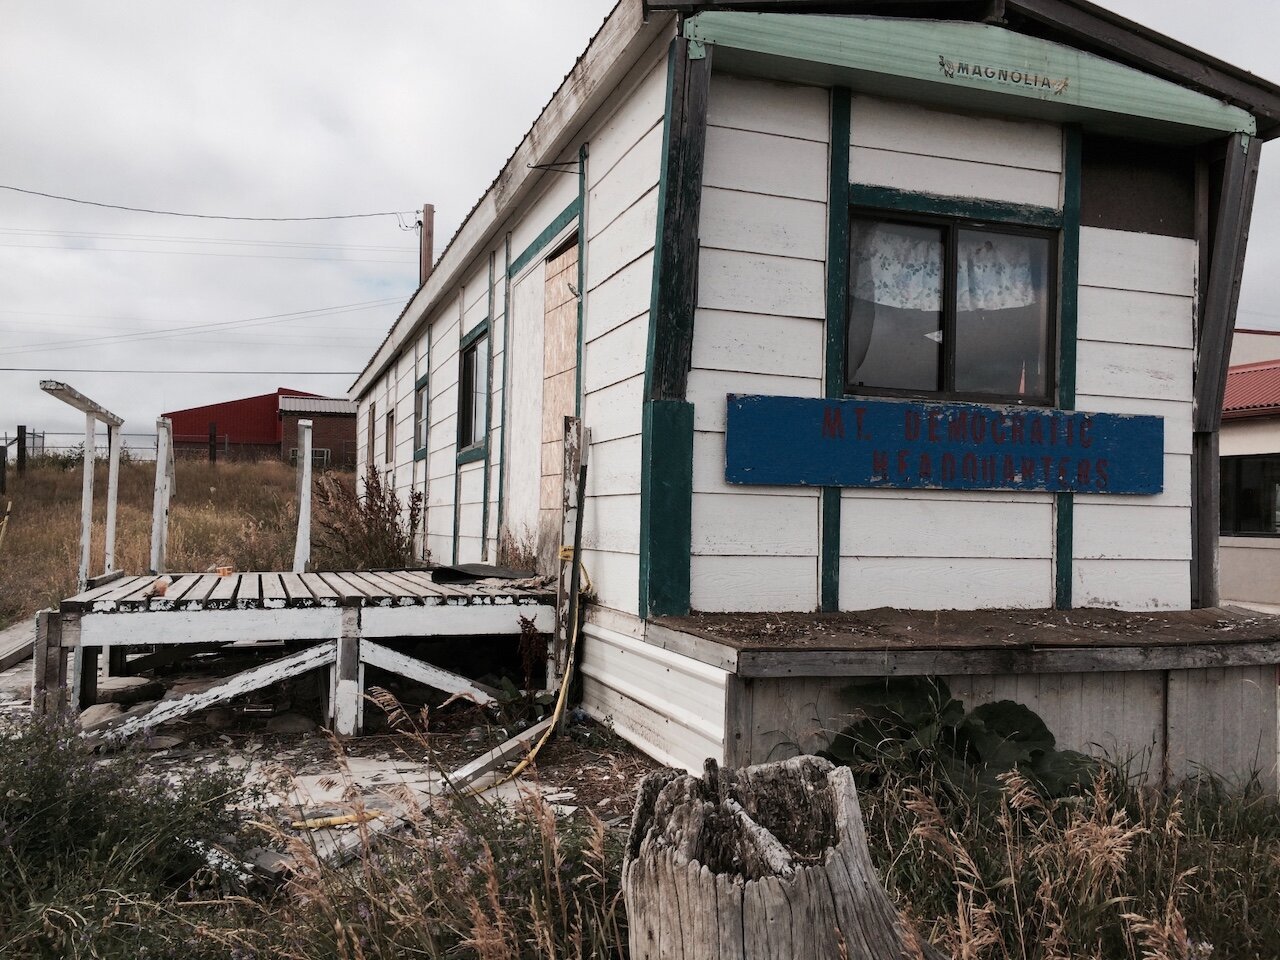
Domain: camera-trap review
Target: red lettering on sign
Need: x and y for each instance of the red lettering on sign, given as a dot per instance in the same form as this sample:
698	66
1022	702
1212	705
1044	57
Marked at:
902	463
911	425
1100	468
978	427
1010	474
1053	431
1018	428
1037	431
833	423
1046	464
989	469
1085	439
934	434
858	414
880	464
1082	474
948	467
969	467
926	467
959	426
997	429
1071	430
1028	470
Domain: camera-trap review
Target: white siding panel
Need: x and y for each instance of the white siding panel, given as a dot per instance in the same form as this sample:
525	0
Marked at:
1132	584
616	357
671	706
761	163
911	128
1177	487
628	238
1105	531
1133	370
744	524
941	528
627	181
612	523
765	106
622	296
752	223
614	467
1137	261
1176	414
953	178
1134	316
615	577
719	584
752	283
938	583
642	109
616	410
750	342
707	390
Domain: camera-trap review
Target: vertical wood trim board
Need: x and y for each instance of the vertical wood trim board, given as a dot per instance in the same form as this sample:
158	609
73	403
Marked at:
666	478
582	277
1068	326
506	403
837	307
488	408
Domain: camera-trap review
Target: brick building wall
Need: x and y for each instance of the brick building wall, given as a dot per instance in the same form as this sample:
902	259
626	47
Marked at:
337	434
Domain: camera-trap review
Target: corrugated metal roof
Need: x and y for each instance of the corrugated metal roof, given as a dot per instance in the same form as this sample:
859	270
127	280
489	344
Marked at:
321	405
1253	390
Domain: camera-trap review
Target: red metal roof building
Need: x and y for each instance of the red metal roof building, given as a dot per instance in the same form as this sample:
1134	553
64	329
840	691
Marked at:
1253	390
247	428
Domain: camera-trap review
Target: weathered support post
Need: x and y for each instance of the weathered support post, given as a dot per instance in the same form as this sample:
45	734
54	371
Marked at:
22	449
302	546
344	682
768	862
213	442
114	441
86	500
4	469
163	490
575	454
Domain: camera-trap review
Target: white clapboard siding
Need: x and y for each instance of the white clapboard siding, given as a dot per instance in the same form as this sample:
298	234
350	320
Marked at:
926	131
1177	487
750	342
624	240
1131	584
735	583
1176	414
763	163
766	106
616	357
707	390
670	705
1136	316
756	283
612	523
615	411
471	482
614	467
743	524
953	178
906	527
1133	370
1129	531
625	124
939	583
1137	261
615	577
708	472
628	180
753	223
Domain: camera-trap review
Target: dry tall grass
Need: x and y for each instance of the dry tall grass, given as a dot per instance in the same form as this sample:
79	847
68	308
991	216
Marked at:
240	514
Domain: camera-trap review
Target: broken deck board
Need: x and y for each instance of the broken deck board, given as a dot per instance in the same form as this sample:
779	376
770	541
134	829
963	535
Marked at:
16	643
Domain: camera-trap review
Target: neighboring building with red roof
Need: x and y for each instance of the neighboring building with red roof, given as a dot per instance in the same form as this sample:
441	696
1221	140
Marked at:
245	429
1249	447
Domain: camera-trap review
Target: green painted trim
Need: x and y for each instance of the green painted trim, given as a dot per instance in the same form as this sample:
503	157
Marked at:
506	354
666	507
488	416
549	233
419	455
837	312
1068	324
990	211
474	334
421	381
473	453
932	60
582	277
646	433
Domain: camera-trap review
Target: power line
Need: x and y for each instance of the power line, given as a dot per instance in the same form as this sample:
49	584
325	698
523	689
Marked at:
171	373
203	216
169	238
199	253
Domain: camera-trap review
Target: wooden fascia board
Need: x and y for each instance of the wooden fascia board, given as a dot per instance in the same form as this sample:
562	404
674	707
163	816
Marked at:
932	60
620	42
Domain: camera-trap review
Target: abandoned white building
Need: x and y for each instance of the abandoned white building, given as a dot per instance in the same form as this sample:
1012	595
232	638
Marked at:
896	307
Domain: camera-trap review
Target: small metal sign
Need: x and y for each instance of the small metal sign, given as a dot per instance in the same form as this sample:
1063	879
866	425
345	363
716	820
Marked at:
857	442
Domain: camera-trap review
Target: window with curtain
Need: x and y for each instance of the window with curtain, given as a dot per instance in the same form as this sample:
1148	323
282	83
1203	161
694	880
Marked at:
950	307
1250	496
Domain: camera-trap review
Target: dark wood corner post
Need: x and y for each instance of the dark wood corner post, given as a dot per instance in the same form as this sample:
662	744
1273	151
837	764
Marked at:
1223	235
667	435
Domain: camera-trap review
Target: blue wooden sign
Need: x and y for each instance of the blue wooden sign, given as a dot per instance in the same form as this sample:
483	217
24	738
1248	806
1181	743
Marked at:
906	444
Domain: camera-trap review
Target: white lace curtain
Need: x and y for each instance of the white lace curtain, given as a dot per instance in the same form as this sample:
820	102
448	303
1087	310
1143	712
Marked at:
901	266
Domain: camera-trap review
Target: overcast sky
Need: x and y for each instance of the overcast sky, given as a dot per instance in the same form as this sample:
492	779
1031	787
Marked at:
288	109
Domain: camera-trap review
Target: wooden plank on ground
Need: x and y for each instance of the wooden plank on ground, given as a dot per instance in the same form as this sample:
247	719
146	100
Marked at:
16	643
296	590
273	595
325	595
376	655
249	592
246	682
469	773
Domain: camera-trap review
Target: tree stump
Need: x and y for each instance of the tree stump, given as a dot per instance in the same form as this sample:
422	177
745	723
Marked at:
765	862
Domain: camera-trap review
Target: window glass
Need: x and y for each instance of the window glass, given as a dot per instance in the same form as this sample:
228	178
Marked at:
473	387
1250	495
896	303
369	440
1002	314
390	451
419	418
943	306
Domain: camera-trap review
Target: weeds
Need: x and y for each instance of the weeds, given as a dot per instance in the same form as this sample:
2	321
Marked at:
361	531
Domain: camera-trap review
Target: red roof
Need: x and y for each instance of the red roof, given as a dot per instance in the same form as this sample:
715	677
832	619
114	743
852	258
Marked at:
247	420
1253	390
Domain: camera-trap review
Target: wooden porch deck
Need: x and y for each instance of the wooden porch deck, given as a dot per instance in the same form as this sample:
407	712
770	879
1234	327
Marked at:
332	620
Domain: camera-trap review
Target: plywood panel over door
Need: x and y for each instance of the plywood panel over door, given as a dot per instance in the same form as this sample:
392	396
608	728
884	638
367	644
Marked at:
559	393
523	457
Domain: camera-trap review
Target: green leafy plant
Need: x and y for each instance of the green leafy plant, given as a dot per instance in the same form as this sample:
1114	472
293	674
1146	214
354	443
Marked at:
362	531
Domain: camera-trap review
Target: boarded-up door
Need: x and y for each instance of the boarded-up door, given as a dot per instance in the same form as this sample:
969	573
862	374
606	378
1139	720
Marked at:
559	396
